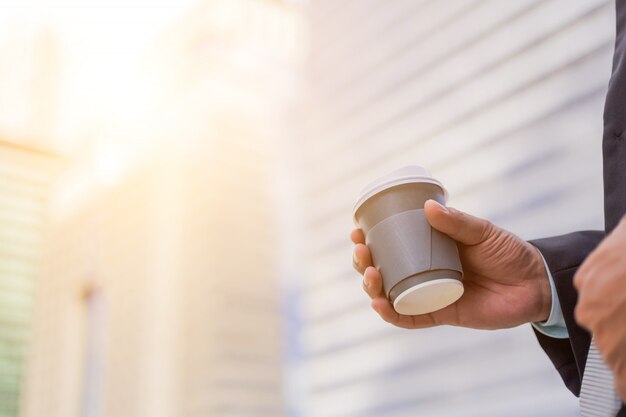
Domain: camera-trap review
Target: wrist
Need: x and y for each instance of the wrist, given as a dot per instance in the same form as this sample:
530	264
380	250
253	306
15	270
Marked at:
543	290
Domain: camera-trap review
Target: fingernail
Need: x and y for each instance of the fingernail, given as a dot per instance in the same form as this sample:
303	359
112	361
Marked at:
366	284
441	206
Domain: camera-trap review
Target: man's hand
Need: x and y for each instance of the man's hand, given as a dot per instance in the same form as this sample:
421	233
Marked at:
505	280
601	308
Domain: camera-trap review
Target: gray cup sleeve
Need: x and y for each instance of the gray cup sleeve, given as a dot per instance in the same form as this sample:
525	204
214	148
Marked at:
404	245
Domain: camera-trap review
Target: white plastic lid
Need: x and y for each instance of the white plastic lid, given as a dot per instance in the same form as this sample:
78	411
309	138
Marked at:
406	175
428	296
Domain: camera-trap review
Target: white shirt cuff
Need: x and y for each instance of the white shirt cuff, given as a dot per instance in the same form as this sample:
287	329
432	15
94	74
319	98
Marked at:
555	325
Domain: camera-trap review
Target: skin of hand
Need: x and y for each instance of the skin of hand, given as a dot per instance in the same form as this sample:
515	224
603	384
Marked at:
601	308
505	280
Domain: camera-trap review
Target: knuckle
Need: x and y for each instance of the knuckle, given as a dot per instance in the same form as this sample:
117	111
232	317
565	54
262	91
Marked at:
488	230
578	279
582	274
581	313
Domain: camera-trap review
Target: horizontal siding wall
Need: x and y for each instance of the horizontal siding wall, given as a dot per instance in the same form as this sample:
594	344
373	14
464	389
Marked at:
502	101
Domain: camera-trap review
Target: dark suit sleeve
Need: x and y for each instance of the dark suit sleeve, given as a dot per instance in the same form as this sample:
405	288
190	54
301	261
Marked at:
564	254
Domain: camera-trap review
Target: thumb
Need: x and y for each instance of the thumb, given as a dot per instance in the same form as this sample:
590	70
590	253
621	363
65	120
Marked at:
460	226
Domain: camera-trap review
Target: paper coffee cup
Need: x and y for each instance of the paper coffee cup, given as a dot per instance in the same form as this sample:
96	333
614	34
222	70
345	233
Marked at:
419	265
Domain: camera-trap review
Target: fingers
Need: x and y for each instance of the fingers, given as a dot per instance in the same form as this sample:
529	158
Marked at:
373	286
582	275
362	257
357	236
460	226
373	282
385	310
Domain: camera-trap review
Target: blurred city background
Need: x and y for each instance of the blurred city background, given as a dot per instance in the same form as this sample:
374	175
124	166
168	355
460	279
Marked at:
176	185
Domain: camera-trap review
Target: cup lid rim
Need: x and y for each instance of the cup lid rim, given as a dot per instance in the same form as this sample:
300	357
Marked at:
419	295
385	183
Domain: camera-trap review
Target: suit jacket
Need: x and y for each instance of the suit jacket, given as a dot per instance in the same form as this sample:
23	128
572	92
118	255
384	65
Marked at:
564	254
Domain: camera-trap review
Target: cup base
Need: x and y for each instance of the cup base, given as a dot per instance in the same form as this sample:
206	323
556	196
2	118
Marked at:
428	296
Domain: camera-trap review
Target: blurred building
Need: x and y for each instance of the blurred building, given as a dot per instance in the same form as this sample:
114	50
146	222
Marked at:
29	81
26	179
502	101
160	294
158	298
